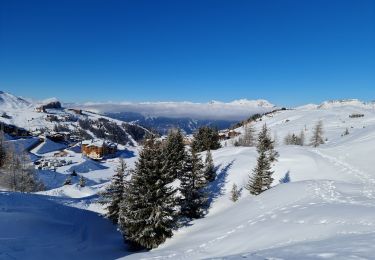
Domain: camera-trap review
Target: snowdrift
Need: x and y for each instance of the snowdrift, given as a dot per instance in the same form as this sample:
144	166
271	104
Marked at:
34	227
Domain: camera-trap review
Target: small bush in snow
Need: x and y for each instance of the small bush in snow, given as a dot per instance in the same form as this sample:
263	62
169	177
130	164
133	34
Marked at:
235	193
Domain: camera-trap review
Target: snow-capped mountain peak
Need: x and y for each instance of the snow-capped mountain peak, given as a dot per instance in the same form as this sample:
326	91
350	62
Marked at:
255	103
9	101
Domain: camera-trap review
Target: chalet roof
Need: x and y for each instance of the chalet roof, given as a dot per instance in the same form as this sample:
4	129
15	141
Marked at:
98	143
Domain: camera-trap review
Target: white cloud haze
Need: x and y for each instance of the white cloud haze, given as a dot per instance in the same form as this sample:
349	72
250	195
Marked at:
235	110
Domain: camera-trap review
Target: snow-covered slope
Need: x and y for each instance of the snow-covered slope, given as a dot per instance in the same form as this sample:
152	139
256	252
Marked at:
327	211
36	227
10	102
25	114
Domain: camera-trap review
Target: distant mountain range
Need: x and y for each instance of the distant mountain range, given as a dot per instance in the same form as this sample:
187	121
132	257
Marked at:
163	124
188	116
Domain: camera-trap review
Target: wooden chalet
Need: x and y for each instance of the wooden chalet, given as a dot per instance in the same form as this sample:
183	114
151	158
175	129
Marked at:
98	149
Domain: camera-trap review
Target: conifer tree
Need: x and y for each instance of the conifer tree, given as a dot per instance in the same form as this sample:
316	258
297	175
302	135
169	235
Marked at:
235	193
293	139
192	188
113	195
317	138
261	177
209	168
174	154
148	212
266	145
206	138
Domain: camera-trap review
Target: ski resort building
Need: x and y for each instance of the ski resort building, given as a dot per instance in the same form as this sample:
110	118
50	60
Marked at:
225	135
98	149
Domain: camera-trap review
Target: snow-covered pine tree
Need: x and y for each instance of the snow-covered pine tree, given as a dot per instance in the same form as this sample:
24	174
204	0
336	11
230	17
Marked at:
261	177
174	153
209	167
113	195
192	188
148	213
235	193
317	137
266	144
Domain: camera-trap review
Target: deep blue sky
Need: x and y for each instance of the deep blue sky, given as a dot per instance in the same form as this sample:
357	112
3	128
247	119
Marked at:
289	52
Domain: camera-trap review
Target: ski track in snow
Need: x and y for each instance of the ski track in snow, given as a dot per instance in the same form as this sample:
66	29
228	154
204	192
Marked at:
367	181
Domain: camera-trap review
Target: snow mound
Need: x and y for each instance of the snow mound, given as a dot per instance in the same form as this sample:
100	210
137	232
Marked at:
22	145
48	146
87	166
34	227
71	191
343	102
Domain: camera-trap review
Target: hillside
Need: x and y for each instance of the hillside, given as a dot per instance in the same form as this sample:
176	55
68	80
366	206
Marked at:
326	211
34	227
48	117
330	201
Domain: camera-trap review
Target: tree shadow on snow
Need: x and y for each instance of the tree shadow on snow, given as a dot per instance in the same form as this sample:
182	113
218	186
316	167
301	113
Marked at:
125	154
216	188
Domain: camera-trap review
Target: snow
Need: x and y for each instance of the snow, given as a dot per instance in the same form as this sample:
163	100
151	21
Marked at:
8	101
48	146
98	143
329	202
87	166
36	227
326	211
23	144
